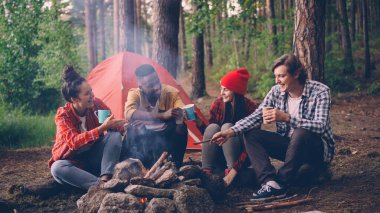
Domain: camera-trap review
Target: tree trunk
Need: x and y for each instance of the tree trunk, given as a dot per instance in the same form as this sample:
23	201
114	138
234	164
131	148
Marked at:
199	84
272	25
198	80
282	15
346	42
90	33
165	34
182	42
116	24
139	36
309	35
102	32
337	20
123	24
365	40
208	45
329	27
360	17
130	24
353	20
147	42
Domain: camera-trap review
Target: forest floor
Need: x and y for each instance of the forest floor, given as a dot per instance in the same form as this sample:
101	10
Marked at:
353	187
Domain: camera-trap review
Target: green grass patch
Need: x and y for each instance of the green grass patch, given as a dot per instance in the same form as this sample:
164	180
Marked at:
18	130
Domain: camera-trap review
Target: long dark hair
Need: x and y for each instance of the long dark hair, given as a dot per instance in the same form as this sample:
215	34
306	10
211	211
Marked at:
71	83
240	108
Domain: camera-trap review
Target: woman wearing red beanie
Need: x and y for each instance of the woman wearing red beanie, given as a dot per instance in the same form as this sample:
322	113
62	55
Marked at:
226	110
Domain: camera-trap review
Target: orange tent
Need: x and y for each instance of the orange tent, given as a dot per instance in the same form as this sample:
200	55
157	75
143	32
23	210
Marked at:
112	78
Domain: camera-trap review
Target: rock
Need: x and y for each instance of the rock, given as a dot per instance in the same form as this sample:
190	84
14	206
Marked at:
128	169
115	185
214	184
190	171
193	182
193	199
149	192
120	202
143	181
160	205
90	202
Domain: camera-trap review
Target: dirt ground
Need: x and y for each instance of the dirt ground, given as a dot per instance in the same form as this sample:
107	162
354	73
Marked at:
354	186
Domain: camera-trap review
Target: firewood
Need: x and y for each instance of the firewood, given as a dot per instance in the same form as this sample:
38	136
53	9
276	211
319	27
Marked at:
271	199
167	178
161	170
157	164
276	205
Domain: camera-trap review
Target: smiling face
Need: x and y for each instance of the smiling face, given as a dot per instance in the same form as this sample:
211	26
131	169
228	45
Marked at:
85	97
226	94
284	79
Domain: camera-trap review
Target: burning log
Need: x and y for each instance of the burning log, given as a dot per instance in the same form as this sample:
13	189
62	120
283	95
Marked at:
163	156
142	181
167	178
149	192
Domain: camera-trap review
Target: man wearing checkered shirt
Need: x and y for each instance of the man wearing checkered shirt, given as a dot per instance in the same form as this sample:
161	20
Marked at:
301	109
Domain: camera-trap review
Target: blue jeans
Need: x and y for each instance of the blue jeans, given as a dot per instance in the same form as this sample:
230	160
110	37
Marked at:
99	160
215	156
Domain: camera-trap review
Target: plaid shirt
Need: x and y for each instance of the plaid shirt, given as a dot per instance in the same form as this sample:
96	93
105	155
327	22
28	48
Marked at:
68	137
217	111
314	114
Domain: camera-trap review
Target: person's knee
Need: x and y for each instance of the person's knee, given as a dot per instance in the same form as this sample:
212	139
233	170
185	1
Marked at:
212	128
60	167
226	126
300	135
252	135
115	139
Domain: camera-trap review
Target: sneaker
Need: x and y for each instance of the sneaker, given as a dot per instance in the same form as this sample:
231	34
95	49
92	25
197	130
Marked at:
269	192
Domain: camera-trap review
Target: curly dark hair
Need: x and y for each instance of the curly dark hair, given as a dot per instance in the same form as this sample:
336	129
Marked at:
71	83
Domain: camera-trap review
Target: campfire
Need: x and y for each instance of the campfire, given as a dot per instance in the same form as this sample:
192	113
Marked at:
162	188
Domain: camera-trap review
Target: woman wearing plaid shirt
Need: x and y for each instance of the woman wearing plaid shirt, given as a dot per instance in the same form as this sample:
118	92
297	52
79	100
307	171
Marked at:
82	151
225	111
301	109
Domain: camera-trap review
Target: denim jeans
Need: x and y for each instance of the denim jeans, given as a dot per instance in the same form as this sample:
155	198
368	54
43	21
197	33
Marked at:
99	160
215	156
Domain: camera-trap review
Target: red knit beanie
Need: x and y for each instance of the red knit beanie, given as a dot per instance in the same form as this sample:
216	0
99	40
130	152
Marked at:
236	80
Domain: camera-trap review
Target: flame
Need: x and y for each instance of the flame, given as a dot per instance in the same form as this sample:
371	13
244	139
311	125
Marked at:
143	200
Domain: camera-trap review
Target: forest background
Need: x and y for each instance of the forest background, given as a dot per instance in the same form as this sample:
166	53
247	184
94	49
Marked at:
338	44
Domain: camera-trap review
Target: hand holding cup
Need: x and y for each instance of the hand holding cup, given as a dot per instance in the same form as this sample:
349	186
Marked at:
267	115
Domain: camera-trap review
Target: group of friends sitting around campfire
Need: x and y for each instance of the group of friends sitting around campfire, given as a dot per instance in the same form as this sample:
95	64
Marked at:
86	151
